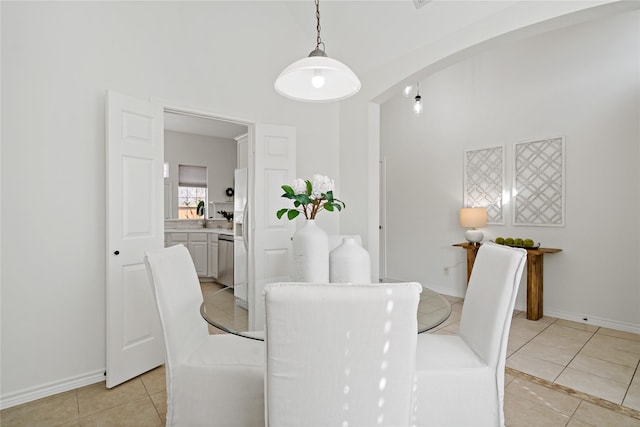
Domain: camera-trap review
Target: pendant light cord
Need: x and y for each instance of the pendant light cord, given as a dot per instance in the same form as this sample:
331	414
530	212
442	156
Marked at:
318	39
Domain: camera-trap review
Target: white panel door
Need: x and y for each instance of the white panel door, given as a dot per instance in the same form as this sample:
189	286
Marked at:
134	225
274	160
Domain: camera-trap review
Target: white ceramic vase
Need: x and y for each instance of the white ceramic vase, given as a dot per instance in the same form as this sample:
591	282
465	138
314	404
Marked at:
310	254
349	263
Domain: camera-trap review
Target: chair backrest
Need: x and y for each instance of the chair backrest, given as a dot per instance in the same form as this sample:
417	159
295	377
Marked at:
488	304
340	354
178	297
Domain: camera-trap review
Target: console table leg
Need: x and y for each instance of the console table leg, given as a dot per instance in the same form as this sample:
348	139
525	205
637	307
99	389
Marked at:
471	259
534	286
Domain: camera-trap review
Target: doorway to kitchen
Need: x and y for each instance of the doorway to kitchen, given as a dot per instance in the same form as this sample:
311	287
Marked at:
202	157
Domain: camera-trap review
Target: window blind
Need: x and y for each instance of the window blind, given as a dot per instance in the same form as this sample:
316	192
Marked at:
192	176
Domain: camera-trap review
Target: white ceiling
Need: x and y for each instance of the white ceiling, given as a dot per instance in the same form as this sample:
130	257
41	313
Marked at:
368	34
203	126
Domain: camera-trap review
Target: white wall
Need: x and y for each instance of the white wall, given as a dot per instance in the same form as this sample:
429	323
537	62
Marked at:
218	155
58	60
581	82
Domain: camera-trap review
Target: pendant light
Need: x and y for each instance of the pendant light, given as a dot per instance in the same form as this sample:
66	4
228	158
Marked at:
417	105
317	78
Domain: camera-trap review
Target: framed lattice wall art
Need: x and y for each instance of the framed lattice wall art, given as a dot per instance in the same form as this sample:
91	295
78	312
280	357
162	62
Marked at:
538	182
484	181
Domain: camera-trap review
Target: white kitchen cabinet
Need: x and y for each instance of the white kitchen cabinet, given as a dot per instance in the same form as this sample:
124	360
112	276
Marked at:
213	255
198	247
203	247
175	238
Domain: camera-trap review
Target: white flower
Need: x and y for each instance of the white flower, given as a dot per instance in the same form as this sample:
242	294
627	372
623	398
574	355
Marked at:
299	186
320	184
310	204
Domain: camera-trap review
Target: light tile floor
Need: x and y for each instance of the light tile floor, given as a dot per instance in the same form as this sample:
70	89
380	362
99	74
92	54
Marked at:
558	373
601	362
566	373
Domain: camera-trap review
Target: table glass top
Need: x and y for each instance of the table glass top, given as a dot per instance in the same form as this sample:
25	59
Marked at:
219	309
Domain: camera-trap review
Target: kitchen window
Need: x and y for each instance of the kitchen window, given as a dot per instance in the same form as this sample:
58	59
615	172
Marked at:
192	189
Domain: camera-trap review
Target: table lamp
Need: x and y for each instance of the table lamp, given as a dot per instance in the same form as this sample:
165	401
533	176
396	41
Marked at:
473	218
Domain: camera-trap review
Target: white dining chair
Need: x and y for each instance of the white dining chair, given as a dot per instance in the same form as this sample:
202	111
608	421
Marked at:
212	380
460	378
340	355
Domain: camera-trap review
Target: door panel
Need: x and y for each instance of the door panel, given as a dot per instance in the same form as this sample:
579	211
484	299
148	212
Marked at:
274	159
199	254
134	225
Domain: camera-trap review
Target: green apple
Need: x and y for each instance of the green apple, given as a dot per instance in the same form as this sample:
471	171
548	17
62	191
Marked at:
528	243
518	241
500	240
508	241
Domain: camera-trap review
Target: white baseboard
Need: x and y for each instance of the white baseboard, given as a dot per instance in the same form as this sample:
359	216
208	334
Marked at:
588	320
49	389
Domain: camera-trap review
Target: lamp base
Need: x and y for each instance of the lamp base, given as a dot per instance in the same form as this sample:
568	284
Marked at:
473	236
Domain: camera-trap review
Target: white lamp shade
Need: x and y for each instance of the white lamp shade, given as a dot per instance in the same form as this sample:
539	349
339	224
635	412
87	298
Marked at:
473	217
295	81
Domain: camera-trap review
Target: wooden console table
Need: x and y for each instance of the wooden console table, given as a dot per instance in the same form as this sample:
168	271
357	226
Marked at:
535	286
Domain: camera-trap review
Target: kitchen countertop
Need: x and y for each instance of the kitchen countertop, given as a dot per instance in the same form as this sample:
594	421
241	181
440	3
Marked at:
200	230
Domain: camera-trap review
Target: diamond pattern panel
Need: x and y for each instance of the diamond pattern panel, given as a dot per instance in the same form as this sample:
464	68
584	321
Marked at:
484	181
539	182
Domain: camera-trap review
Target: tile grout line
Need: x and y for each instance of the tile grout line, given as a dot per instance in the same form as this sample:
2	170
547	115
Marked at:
77	404
593	334
606	404
532	338
631	381
575	411
636	369
155	408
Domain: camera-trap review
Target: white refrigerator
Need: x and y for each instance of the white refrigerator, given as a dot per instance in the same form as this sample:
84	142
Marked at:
240	237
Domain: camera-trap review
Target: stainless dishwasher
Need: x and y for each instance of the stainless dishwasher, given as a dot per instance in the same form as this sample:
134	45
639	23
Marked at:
225	259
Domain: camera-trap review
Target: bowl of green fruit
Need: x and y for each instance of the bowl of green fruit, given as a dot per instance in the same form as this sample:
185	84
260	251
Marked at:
517	242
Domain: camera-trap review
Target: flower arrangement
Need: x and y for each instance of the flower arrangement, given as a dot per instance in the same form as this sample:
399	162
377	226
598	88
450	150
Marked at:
310	197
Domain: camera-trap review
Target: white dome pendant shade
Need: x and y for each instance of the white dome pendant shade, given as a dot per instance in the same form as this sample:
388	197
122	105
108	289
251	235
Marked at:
317	78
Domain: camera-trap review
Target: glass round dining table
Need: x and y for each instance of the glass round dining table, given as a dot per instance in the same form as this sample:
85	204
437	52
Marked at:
220	310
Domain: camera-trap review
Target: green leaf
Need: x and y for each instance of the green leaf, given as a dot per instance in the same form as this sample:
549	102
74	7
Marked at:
329	196
303	198
293	213
281	212
287	189
308	187
328	206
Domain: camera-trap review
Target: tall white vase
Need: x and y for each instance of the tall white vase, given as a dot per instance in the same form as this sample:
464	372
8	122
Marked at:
310	254
349	263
